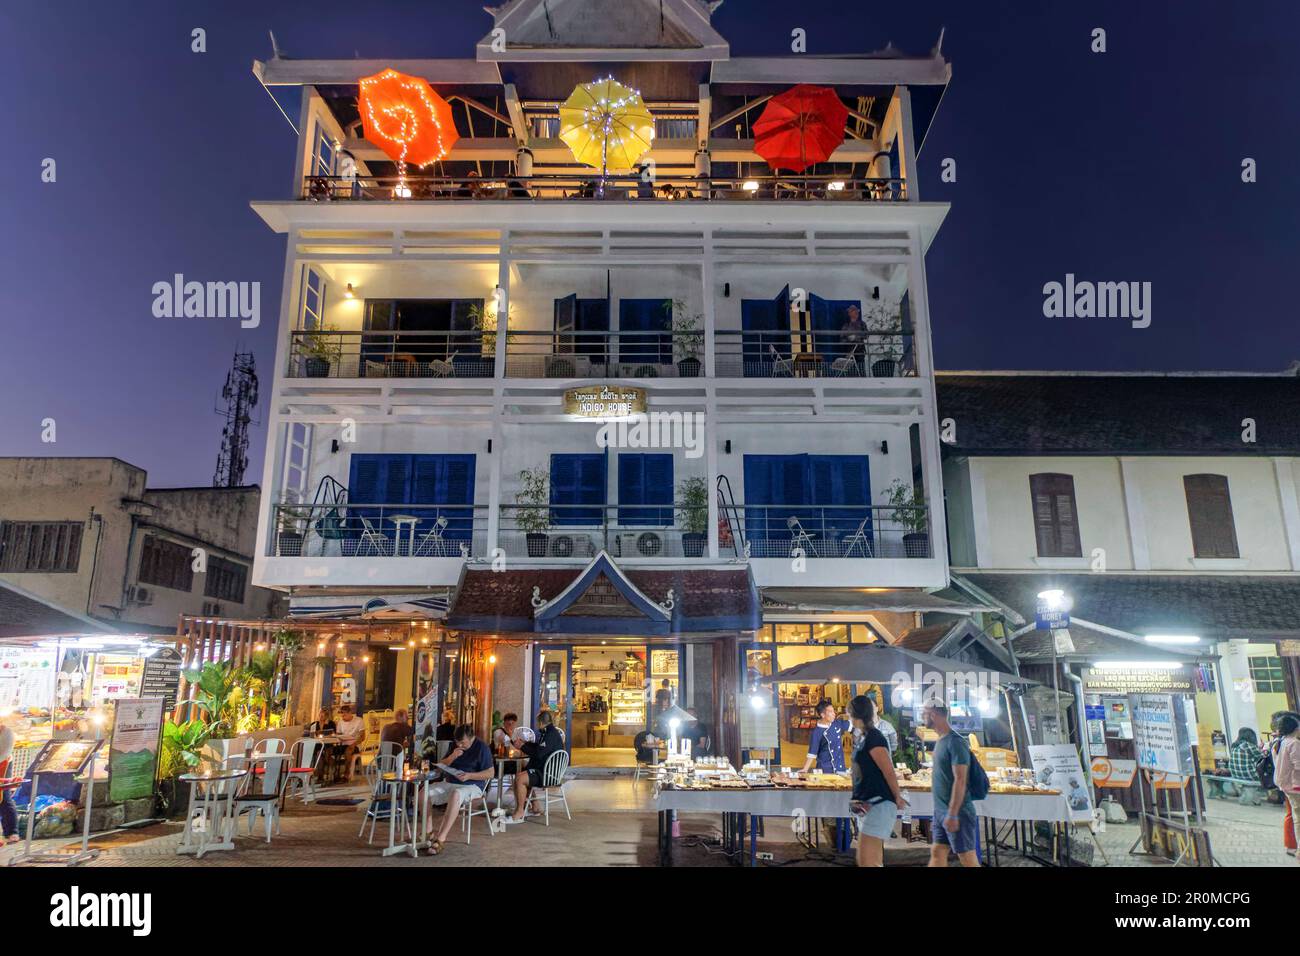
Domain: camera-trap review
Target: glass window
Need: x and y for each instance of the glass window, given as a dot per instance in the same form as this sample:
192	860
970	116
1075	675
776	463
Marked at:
830	633
793	633
1266	672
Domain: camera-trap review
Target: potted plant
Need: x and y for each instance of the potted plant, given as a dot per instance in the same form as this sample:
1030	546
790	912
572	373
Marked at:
908	512
534	514
688	337
181	752
320	349
218	694
290	523
885	342
693	515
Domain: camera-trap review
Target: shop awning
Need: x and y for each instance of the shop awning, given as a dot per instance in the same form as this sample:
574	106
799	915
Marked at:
1092	642
423	604
26	616
865	601
885	664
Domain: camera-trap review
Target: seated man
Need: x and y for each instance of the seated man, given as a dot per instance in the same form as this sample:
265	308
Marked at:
548	742
352	734
471	768
399	731
504	736
646	744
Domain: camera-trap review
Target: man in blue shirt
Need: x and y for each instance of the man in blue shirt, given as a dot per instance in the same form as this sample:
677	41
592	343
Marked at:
472	767
826	743
955	823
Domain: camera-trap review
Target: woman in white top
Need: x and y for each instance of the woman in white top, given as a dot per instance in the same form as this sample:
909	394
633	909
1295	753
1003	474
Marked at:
1286	763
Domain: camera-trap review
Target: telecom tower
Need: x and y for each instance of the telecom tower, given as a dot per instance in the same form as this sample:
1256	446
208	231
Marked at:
240	395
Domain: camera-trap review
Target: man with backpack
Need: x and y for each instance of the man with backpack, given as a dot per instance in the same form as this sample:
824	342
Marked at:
958	781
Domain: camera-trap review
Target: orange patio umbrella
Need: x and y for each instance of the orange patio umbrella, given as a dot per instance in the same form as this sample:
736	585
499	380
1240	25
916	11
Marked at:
404	117
800	127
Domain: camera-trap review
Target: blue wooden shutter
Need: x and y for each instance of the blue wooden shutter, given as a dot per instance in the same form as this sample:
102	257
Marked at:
566	321
841	490
577	480
651	317
593	317
645	479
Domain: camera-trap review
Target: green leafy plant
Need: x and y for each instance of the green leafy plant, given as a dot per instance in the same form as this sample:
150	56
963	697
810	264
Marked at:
321	343
693	505
688	333
907	506
218	694
533	498
182	747
484	319
885	324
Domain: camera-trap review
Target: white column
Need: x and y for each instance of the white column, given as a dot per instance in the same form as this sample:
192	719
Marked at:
931	461
1286	492
1139	545
979	509
906	146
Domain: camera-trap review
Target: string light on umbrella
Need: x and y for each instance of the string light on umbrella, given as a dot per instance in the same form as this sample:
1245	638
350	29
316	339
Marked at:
404	117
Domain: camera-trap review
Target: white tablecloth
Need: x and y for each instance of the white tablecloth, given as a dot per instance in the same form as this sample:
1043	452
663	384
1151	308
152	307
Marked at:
835	803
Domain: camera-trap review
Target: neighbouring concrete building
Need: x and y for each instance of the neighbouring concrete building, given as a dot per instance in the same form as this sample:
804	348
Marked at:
89	537
1164	506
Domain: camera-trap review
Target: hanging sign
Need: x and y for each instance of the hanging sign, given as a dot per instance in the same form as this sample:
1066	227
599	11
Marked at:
605	401
1288	648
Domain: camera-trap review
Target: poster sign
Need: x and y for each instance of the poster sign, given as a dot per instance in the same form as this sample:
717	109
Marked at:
133	748
1113	772
605	401
758	727
1058	766
1174	679
1288	648
1155	733
63	756
27	677
116	676
162	676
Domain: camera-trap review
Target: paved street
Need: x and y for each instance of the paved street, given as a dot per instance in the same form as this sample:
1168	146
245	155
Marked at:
613	825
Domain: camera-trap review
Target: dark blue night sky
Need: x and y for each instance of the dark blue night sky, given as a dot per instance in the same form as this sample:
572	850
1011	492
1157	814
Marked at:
1121	166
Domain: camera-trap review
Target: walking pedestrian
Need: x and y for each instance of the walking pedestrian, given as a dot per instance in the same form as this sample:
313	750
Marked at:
955	823
876	795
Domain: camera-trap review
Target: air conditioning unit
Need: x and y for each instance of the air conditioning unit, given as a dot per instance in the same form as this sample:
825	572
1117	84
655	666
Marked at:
141	595
561	366
640	544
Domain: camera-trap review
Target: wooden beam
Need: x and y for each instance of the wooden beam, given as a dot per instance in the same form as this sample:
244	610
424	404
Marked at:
737	112
518	122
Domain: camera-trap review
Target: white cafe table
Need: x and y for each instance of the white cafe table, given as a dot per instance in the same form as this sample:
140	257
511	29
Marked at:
418	836
217	790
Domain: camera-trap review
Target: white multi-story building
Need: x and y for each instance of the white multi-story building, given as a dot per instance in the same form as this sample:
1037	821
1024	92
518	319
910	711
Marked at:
427	452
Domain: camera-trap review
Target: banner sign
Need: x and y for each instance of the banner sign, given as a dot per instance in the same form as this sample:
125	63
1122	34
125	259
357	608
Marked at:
133	748
1113	773
1156	734
1058	766
1174	679
605	401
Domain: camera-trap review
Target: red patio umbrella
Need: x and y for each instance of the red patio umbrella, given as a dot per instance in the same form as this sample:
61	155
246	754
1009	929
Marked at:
404	117
800	127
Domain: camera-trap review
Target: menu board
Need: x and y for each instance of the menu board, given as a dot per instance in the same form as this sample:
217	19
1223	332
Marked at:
27	677
116	676
64	756
133	752
162	676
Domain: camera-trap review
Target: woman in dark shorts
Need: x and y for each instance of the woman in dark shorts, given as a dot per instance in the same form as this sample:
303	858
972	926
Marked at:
876	796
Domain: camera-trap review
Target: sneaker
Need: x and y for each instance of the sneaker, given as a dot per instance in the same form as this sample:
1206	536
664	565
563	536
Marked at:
510	821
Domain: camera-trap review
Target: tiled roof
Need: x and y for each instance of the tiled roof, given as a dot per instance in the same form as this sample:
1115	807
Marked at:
1091	644
24	615
1209	605
1119	414
924	638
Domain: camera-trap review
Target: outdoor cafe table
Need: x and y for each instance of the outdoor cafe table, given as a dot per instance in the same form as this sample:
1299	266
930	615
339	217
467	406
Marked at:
832	804
217	789
501	771
397	785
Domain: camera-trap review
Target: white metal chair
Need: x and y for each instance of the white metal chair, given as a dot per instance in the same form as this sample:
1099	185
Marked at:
371	537
800	539
468	813
650	767
847	364
381	804
857	539
303	760
261	795
443	368
781	367
553	773
430	543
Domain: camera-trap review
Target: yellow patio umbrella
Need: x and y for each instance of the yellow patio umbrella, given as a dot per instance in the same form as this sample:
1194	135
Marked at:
606	125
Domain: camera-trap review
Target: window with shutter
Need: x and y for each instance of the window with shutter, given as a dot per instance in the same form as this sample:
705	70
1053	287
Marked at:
45	546
577	480
829	494
1209	511
645	480
166	564
1056	519
653	317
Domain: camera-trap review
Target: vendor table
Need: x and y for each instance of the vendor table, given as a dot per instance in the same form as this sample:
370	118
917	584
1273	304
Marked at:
1018	809
217	791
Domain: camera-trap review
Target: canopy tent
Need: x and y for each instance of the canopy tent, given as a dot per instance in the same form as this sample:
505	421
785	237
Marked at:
882	664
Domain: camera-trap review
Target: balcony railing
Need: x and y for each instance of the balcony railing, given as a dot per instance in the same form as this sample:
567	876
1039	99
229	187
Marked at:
604	355
579	532
334	354
831	354
593	187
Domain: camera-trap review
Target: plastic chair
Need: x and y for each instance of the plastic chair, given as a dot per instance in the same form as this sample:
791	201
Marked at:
303	761
781	367
553	772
